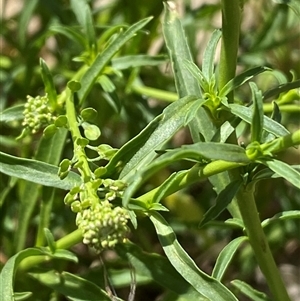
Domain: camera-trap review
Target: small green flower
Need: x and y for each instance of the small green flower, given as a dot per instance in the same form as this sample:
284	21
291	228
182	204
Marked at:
102	225
37	113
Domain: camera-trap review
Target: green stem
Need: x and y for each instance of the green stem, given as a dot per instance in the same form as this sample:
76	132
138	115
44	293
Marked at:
292	108
260	244
231	19
155	93
75	133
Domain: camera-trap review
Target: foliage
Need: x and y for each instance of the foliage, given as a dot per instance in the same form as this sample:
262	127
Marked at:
144	153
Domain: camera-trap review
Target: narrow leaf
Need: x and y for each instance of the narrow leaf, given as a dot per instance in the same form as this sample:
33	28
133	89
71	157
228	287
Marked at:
282	88
258	114
49	151
103	58
157	268
199	152
285	215
182	262
186	84
73	287
70	33
241	79
49	84
223	200
25	16
225	257
270	125
139	60
209	55
22	296
8	272
284	170
172	119
123	156
37	172
249	291
84	17
198	75
12	113
179	51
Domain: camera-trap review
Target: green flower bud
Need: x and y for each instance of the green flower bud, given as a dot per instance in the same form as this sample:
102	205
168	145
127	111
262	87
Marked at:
103	226
76	206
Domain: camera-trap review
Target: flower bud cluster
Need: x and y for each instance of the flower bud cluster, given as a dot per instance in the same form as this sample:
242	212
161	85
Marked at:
37	113
102	225
113	188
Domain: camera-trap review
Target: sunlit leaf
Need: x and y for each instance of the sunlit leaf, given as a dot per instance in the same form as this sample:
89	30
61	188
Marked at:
284	170
167	124
186	84
37	172
103	58
270	125
199	152
207	286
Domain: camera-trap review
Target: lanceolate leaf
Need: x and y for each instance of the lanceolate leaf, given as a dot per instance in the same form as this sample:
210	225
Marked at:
223	200
171	120
182	262
49	151
209	54
70	33
225	257
84	17
199	152
132	61
270	125
103	58
73	287
258	114
12	114
9	270
37	172
249	291
179	52
282	88
158	268
186	84
284	170
285	215
48	82
123	156
241	79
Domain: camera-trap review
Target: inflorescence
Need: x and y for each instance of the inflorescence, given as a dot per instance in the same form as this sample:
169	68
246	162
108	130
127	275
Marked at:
37	113
102	224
